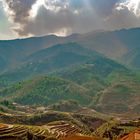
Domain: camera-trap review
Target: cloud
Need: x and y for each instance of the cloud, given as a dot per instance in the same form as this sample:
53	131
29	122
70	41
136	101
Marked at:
64	22
104	7
39	17
132	6
126	14
18	11
4	25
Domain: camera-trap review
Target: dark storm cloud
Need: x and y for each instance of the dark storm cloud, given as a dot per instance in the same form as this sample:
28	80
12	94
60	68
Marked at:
79	16
68	16
66	21
19	10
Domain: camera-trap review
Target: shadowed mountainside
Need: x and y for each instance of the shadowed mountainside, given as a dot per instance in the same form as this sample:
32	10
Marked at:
121	45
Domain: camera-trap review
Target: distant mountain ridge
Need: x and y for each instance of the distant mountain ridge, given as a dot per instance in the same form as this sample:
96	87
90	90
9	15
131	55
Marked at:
122	45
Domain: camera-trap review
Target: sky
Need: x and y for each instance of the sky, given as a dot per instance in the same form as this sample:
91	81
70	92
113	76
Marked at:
25	18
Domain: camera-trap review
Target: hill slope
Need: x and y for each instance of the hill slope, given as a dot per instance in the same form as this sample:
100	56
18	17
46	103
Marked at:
49	60
106	86
113	87
86	75
45	91
121	45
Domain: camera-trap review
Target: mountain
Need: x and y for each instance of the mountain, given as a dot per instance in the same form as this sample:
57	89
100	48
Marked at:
74	72
94	75
102	84
121	45
113	88
14	51
50	60
89	68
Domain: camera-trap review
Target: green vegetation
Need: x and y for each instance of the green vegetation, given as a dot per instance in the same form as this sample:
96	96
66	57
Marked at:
100	83
66	106
7	104
113	87
70	78
45	91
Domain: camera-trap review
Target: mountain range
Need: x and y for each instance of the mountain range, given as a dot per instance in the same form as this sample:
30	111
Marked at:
98	69
121	45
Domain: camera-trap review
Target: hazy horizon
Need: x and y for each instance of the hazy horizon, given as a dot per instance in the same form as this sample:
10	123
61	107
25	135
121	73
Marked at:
62	18
45	35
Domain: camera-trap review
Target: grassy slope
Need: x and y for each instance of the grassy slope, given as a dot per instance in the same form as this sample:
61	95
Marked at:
93	78
121	45
46	90
102	83
113	87
48	60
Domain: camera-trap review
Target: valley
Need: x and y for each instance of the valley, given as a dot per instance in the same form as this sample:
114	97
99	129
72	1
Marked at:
79	87
37	123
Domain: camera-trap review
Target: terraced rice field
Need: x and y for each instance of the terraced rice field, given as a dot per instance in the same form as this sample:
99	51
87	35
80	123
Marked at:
10	132
59	130
62	129
21	132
